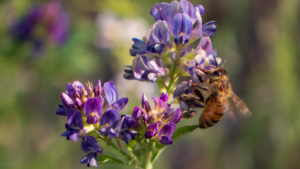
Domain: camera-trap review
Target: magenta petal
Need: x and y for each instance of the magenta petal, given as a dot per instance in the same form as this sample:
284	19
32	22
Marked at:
110	91
67	101
145	103
165	140
175	116
151	130
93	105
120	104
136	114
98	89
160	105
164	97
167	130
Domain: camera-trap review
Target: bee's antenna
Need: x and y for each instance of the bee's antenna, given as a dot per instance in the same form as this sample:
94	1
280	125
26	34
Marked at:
224	63
216	61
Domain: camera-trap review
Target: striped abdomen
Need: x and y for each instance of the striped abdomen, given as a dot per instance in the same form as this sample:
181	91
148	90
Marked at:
213	111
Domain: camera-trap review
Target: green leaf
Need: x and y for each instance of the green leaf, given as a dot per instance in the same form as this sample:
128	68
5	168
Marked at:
183	131
105	158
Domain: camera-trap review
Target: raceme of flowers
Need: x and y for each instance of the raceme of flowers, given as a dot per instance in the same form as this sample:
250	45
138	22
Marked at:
51	17
164	55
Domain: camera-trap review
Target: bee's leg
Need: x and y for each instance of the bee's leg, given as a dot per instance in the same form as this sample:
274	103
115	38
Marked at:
200	87
188	114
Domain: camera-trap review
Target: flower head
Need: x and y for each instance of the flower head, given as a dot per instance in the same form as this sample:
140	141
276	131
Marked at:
144	69
157	117
90	145
49	16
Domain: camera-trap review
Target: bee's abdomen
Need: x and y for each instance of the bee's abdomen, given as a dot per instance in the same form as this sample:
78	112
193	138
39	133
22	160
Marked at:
213	112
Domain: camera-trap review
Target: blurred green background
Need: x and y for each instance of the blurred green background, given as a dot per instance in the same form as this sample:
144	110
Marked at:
259	39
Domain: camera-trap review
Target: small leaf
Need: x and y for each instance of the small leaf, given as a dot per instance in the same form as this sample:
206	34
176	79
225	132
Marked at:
105	158
190	56
183	131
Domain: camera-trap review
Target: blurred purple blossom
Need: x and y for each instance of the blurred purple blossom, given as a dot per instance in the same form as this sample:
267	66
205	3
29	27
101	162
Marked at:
49	16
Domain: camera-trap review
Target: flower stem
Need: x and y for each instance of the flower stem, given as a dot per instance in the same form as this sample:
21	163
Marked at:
173	78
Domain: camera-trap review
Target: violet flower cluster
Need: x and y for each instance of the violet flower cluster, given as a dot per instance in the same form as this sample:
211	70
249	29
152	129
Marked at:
164	55
94	111
165	52
159	121
51	17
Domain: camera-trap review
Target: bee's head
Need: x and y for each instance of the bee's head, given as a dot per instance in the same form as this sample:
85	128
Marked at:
217	72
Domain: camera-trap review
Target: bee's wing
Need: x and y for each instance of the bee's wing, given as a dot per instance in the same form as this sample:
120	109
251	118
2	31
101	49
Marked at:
243	109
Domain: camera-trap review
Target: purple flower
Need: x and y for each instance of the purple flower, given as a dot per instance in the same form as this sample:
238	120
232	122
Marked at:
151	130
111	96
74	125
138	47
161	115
93	110
136	114
187	98
145	69
90	159
205	59
90	145
124	129
108	123
180	18
159	38
49	16
165	134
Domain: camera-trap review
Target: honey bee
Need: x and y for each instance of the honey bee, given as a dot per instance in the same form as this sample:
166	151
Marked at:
217	103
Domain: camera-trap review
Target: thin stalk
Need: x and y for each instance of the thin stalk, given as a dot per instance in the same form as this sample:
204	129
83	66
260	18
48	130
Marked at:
173	78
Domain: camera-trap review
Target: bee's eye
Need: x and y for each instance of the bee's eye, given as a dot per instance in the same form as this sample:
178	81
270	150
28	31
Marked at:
218	73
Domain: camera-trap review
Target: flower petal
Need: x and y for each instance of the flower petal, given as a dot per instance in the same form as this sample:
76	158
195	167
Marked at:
110	91
89	143
165	140
120	104
164	97
93	105
161	32
189	9
206	45
110	118
174	117
128	135
162	11
209	28
151	130
98	89
182	28
138	47
67	101
200	8
145	103
136	114
126	122
167	130
160	105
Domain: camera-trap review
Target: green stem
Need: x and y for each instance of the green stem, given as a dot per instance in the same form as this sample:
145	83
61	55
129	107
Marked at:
173	78
118	149
147	164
